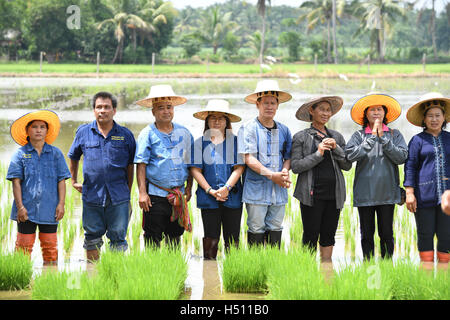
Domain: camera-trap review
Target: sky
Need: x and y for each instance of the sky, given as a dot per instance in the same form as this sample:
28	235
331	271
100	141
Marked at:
180	4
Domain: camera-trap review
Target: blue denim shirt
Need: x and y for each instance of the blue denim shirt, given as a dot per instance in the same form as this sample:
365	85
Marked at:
39	177
105	162
166	157
427	168
217	162
271	148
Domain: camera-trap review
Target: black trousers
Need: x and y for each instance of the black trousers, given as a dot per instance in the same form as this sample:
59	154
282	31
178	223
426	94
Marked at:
432	221
29	227
156	222
224	218
319	223
385	219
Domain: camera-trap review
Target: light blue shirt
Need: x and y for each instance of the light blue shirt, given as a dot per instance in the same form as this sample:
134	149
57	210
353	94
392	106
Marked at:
166	155
271	148
39	177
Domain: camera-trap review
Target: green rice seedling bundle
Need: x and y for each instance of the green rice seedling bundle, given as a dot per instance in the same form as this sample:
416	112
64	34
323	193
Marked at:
246	270
295	275
16	270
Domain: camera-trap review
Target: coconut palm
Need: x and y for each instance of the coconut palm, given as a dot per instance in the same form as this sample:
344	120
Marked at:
378	17
261	6
121	21
155	13
214	26
321	12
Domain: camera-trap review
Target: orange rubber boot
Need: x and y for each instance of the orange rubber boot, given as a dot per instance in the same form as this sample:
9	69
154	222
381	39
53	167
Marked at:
426	256
49	247
25	242
443	257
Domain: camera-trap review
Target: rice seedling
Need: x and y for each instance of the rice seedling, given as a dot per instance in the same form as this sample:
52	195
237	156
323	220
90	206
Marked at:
296	276
153	274
16	270
246	270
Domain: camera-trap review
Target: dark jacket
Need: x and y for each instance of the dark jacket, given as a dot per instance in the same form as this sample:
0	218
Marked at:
420	168
303	161
376	177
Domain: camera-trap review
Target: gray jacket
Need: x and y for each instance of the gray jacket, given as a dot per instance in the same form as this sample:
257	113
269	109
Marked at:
303	160
377	159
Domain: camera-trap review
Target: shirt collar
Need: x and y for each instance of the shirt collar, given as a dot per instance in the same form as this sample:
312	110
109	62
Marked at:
95	127
368	130
29	147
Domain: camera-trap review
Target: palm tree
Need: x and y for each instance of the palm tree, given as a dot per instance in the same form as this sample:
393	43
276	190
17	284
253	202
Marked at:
121	21
320	12
432	20
261	6
378	17
155	13
214	26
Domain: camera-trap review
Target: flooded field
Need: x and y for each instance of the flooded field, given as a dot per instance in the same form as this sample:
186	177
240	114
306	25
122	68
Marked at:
70	98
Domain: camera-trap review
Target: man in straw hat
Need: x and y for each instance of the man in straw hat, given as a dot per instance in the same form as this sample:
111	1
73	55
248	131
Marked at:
108	169
38	172
427	174
161	155
318	157
266	146
217	168
378	151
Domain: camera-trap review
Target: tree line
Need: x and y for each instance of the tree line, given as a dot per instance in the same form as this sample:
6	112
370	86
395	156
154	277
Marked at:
129	31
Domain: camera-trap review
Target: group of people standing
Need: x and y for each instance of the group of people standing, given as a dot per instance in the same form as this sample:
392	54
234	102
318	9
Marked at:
251	168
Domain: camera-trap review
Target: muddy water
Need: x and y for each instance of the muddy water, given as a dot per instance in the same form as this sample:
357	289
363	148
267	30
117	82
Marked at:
203	280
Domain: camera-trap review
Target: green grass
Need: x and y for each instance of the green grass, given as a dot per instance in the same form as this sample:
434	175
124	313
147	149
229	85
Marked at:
153	274
16	270
222	68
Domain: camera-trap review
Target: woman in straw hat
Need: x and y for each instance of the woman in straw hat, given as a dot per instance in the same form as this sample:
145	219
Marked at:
266	147
378	151
38	172
162	170
318	157
427	173
217	168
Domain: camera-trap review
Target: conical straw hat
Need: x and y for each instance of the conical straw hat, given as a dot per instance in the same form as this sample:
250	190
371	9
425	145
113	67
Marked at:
303	111
430	100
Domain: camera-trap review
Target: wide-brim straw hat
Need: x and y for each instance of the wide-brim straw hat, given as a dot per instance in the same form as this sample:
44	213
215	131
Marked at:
268	88
427	101
303	111
18	128
217	106
161	93
373	99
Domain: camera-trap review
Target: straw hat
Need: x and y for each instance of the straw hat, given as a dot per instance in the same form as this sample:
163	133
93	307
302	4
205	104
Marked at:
161	93
18	128
217	105
373	99
268	88
427	101
334	101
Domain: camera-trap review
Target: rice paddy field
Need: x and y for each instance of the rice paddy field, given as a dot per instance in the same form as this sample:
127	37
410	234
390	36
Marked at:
291	273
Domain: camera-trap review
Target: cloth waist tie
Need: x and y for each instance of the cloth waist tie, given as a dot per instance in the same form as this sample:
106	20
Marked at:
180	209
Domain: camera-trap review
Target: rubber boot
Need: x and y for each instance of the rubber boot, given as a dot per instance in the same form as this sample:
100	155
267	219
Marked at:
255	239
426	256
92	255
274	238
210	248
49	247
228	244
443	257
25	242
326	253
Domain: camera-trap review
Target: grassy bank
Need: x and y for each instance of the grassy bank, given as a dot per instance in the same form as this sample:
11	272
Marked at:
224	69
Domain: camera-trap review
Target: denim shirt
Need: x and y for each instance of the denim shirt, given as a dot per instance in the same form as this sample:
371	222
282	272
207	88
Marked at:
105	162
427	168
217	163
271	148
39	177
166	157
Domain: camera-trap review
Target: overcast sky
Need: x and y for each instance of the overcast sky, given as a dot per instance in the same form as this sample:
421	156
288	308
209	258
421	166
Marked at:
179	4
